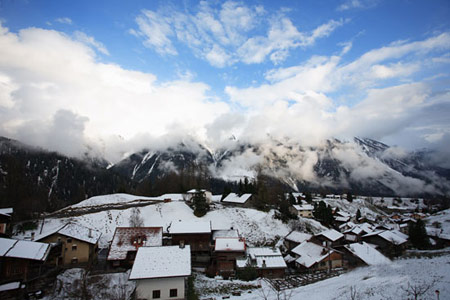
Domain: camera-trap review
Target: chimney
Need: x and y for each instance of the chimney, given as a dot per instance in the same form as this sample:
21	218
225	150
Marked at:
32	236
90	232
181	244
264	263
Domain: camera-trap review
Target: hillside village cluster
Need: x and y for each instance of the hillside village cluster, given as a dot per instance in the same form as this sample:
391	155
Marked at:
161	259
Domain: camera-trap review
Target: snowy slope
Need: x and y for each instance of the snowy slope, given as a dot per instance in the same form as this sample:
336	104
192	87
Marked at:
387	281
256	226
109	199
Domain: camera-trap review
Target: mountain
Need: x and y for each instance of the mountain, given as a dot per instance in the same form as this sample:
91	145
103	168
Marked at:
364	166
33	180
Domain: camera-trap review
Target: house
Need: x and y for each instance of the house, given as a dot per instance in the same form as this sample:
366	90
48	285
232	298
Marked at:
389	242
313	257
226	251
21	260
328	238
358	254
195	234
79	244
161	272
440	237
268	261
191	193
236	200
303	210
5	221
295	238
127	240
355	233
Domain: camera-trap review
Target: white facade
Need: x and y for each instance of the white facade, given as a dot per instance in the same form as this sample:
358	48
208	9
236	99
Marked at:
145	288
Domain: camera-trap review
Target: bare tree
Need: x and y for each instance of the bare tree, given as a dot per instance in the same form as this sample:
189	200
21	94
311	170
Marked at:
135	218
417	290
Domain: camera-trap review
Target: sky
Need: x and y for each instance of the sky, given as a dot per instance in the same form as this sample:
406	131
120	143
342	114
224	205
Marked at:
114	77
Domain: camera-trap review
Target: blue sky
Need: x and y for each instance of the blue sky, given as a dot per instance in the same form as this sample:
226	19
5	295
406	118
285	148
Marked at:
94	72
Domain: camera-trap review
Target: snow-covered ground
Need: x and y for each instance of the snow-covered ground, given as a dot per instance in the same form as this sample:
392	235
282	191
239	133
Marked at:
109	199
365	208
388	281
256	226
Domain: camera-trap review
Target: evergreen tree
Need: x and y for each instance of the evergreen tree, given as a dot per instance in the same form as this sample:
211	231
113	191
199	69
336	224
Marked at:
323	213
358	214
308	197
418	235
240	188
246	185
201	207
226	192
349	197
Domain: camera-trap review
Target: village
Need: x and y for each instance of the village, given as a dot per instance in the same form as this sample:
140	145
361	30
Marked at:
159	262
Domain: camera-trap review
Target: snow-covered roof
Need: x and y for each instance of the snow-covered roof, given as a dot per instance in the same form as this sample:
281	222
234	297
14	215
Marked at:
331	234
270	262
310	253
303	207
225	233
254	252
367	254
360	229
5	245
186	227
24	249
6	211
234	198
76	231
158	262
130	238
265	258
298	237
230	244
342	219
289	258
193	191
10	286
437	232
393	236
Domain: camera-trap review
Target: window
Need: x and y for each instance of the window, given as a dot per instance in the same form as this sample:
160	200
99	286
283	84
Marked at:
173	293
74	260
69	240
156	294
74	247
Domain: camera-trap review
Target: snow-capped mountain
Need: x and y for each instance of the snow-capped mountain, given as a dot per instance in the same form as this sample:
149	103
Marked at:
33	179
362	165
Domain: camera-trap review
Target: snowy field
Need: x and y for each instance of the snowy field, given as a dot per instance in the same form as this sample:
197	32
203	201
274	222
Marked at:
256	226
376	282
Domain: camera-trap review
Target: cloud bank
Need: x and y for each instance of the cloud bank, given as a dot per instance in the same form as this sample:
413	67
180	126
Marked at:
56	93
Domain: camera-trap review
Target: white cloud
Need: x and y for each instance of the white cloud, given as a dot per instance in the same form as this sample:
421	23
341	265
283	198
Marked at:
90	41
61	74
64	20
357	4
157	32
296	102
227	34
